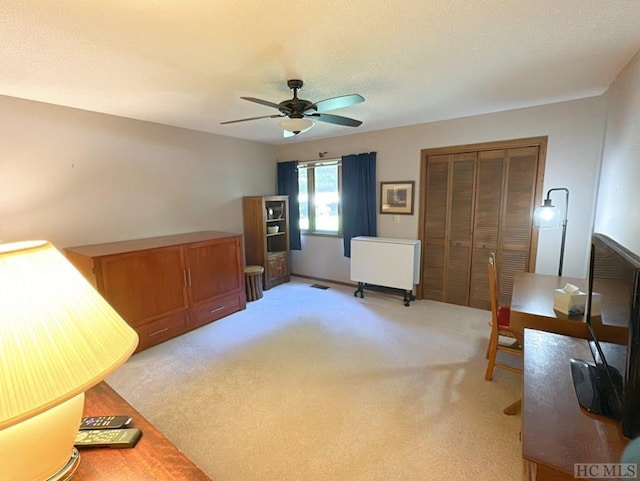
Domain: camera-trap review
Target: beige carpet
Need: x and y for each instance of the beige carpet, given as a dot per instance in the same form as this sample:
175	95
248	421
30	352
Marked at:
318	385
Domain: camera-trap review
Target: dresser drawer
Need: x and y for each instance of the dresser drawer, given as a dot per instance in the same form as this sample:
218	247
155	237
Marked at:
213	310
158	331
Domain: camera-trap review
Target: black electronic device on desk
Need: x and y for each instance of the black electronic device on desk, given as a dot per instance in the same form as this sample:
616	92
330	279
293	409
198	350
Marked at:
610	385
108	438
104	422
107	432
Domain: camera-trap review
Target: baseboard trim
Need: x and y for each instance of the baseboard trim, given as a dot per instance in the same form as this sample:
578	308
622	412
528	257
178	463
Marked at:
321	279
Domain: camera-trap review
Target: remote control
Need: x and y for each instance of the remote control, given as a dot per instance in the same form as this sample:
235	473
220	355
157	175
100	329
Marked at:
104	422
108	438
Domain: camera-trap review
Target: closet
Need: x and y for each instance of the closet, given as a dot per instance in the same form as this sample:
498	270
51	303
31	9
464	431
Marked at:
475	199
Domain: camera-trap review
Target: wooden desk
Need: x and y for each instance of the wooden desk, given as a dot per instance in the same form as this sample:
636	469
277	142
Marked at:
556	433
532	307
154	458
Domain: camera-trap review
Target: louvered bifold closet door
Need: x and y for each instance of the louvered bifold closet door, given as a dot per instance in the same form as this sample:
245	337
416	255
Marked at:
488	213
460	228
478	199
448	227
518	205
504	208
435	227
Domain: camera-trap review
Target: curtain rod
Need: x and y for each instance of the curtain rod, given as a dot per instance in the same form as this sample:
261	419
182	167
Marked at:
302	163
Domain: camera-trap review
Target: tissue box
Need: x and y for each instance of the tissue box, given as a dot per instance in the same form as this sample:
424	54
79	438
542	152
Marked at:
574	304
571	304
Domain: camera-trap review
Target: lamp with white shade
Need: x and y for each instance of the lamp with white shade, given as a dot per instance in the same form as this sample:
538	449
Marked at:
548	217
58	338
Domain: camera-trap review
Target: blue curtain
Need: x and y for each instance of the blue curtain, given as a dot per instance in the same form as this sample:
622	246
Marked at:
359	215
288	185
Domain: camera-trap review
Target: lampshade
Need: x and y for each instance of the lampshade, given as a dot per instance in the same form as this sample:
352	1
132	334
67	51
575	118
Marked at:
547	216
58	338
296	126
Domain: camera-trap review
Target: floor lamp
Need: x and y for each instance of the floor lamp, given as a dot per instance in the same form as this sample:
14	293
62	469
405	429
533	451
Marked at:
548	216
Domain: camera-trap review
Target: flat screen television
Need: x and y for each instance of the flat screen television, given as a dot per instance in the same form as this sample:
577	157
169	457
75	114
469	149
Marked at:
610	384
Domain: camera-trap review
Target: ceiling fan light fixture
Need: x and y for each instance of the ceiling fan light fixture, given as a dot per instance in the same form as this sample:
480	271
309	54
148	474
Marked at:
296	126
296	112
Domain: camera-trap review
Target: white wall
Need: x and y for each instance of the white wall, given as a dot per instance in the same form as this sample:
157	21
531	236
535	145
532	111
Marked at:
74	177
575	131
618	209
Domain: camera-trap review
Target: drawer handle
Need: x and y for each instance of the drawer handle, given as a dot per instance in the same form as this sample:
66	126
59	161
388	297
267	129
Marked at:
158	332
217	309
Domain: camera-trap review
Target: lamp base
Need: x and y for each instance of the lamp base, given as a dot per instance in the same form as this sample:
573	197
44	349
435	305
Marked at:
41	448
69	469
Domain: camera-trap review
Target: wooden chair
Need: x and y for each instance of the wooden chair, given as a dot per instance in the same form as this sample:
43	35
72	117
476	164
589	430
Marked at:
502	339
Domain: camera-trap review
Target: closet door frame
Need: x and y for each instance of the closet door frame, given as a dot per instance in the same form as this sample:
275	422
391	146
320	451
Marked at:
539	142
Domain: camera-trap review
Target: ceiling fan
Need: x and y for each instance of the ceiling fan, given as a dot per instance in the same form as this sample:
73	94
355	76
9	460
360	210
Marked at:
301	113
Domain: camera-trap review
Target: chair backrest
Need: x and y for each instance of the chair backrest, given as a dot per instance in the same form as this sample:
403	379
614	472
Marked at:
493	287
500	314
499	327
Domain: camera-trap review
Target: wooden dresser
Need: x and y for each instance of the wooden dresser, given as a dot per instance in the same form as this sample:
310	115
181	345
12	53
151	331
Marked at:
165	286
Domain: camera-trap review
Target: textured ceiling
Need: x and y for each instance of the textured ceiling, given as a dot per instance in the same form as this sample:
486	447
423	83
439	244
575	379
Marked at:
187	63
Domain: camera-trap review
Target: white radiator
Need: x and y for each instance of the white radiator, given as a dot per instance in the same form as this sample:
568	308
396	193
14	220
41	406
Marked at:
385	262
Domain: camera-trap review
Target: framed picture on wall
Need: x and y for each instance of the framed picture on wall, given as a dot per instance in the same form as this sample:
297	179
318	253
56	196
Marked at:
397	197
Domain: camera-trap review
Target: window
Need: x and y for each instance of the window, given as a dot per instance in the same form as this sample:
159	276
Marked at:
319	185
